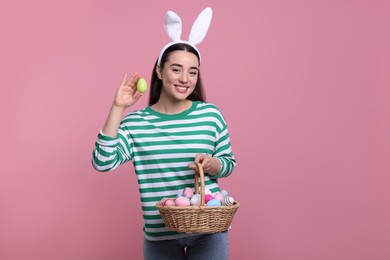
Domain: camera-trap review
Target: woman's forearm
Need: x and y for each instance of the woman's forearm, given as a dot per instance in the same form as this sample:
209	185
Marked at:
113	121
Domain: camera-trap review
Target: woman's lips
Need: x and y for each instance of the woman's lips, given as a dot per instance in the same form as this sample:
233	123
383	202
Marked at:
181	89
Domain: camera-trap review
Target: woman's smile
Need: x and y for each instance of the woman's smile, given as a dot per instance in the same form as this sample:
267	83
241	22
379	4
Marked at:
181	88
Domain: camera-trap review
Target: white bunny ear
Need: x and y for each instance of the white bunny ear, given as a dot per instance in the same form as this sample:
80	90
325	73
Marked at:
172	25
201	26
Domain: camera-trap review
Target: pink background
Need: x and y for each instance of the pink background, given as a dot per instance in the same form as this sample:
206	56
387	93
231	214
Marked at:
304	86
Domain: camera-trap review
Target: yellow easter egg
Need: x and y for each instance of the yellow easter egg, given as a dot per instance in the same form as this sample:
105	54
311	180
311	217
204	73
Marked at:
141	85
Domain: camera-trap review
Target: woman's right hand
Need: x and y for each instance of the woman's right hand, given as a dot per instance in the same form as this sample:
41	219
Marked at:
127	94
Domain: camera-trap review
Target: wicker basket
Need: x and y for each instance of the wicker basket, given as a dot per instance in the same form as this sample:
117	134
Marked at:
198	219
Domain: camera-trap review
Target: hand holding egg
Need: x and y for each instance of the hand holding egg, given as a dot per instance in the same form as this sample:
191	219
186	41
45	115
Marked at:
127	95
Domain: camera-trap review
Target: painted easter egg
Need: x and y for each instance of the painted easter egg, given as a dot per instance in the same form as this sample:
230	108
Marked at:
228	201
141	85
169	203
219	196
182	201
162	202
225	193
213	202
188	192
195	200
208	197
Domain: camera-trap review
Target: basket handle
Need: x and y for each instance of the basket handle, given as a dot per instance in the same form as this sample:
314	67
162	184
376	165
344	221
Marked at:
201	174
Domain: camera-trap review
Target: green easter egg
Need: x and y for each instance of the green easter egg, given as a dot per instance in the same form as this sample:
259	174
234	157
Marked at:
141	85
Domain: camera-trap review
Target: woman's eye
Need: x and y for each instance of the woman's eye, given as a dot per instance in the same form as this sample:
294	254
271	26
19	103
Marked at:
194	73
175	70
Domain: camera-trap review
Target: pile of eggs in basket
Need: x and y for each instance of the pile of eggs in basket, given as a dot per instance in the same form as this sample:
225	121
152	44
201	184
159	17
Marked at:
188	198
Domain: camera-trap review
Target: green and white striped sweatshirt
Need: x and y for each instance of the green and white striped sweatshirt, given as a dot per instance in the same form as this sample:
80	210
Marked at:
161	146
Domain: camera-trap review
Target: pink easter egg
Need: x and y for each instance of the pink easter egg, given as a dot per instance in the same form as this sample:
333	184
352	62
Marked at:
188	192
219	196
162	202
169	203
208	197
182	201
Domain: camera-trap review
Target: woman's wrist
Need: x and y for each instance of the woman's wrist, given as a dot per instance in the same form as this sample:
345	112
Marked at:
117	108
215	166
114	118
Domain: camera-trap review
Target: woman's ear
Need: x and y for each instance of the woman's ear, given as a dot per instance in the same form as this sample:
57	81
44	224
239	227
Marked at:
158	71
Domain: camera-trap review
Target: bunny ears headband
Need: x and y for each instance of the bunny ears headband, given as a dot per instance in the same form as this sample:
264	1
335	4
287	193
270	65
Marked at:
173	27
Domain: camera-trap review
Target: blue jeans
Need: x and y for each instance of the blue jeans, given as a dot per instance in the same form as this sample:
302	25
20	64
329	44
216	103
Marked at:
213	246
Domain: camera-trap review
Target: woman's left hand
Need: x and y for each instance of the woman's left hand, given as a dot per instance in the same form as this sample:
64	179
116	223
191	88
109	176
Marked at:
205	160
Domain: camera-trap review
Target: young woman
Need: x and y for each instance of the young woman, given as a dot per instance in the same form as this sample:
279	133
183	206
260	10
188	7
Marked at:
163	141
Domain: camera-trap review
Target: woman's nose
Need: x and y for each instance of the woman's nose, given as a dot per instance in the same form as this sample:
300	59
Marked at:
183	77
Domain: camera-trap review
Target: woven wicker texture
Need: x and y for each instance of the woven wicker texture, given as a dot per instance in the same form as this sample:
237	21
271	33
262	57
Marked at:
198	219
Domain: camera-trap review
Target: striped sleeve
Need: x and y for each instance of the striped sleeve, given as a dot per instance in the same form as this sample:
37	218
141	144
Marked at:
111	152
223	149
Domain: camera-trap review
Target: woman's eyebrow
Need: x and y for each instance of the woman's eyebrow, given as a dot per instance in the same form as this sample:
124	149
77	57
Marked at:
181	66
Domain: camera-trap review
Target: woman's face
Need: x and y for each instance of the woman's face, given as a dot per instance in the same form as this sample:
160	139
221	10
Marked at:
179	75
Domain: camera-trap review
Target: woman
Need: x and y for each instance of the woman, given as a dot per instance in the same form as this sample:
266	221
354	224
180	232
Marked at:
163	141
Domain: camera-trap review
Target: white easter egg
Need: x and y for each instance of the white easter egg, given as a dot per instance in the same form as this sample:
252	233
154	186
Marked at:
225	193
195	200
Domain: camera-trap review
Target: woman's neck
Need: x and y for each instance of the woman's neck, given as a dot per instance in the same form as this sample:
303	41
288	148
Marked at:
171	108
